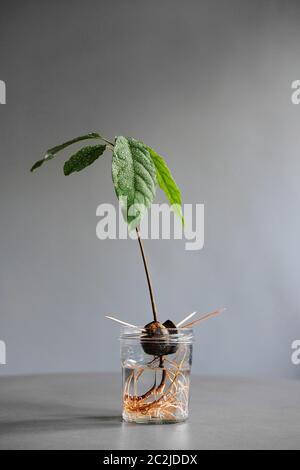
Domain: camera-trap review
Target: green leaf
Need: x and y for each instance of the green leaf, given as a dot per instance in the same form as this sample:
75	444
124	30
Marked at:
53	151
83	158
134	178
167	182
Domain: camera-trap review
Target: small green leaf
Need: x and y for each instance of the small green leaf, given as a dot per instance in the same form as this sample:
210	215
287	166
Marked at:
37	165
167	182
134	178
53	151
83	158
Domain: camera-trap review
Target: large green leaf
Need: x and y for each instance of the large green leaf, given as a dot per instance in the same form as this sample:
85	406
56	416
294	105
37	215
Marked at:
134	178
167	182
53	151
83	158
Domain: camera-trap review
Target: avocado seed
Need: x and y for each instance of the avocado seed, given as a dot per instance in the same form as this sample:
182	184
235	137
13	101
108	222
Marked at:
156	338
172	348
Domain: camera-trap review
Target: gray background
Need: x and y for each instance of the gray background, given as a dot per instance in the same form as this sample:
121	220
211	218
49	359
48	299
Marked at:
208	84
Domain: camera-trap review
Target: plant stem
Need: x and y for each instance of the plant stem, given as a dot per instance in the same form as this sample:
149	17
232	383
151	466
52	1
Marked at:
105	140
154	311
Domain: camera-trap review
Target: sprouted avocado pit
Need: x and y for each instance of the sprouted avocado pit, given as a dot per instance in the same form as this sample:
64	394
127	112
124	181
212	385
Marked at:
137	170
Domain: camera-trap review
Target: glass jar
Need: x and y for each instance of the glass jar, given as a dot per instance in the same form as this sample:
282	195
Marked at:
156	375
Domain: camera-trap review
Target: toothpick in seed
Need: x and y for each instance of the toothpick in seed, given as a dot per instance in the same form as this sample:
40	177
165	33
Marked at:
185	319
123	322
205	317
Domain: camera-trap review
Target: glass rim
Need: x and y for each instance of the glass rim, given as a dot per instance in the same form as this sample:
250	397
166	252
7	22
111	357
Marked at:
176	335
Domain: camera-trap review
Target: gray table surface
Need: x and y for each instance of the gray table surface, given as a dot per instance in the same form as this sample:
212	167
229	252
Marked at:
82	411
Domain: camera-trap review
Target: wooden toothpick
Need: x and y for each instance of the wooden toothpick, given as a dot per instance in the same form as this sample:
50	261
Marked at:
185	319
123	322
205	317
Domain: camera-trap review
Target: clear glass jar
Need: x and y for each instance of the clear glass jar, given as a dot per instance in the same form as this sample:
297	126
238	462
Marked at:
156	375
